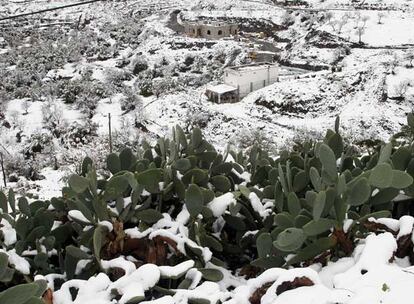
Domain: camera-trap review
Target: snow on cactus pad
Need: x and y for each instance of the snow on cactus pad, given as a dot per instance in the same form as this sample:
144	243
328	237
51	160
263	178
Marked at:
371	275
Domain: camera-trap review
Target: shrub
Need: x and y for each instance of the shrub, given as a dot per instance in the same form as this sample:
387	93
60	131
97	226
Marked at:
144	83
17	165
116	77
139	65
78	134
38	143
131	101
125	30
163	85
84	93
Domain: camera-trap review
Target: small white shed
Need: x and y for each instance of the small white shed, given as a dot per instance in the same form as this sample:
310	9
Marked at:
222	93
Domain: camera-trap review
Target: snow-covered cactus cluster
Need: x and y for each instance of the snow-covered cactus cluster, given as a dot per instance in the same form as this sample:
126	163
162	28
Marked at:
180	217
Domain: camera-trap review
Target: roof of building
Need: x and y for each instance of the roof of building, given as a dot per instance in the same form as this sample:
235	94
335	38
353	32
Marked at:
252	67
222	88
262	52
214	23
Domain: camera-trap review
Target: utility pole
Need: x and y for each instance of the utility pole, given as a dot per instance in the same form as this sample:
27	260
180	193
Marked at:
110	133
79	22
2	169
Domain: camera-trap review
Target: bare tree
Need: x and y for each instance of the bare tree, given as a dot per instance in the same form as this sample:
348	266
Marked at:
330	20
360	31
140	115
361	26
357	17
346	16
14	118
400	89
364	20
52	115
26	106
338	54
341	23
344	20
329	16
380	15
333	23
394	63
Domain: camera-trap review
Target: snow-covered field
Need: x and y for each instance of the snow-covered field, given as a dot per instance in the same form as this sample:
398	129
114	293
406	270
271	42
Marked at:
380	28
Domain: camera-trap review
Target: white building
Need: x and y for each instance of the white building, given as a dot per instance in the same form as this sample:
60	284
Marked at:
222	93
249	78
241	80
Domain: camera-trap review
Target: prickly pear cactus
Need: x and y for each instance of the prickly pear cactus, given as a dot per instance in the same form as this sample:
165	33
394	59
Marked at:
192	211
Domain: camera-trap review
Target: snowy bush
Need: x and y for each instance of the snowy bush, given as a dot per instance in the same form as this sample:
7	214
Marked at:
143	84
198	65
77	134
197	117
88	43
129	133
115	78
124	29
195	81
248	138
139	65
164	85
18	165
131	101
84	93
37	143
400	89
52	117
409	56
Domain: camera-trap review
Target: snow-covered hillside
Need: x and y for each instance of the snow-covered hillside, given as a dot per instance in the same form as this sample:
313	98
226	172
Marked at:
91	79
150	76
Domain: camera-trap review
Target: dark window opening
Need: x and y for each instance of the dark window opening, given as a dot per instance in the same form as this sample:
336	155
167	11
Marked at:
220	32
208	32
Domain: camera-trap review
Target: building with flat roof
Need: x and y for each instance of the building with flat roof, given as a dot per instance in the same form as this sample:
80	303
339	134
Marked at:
222	93
241	80
251	77
210	29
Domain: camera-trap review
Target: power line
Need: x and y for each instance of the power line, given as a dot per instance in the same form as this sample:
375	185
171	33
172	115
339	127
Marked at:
49	9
